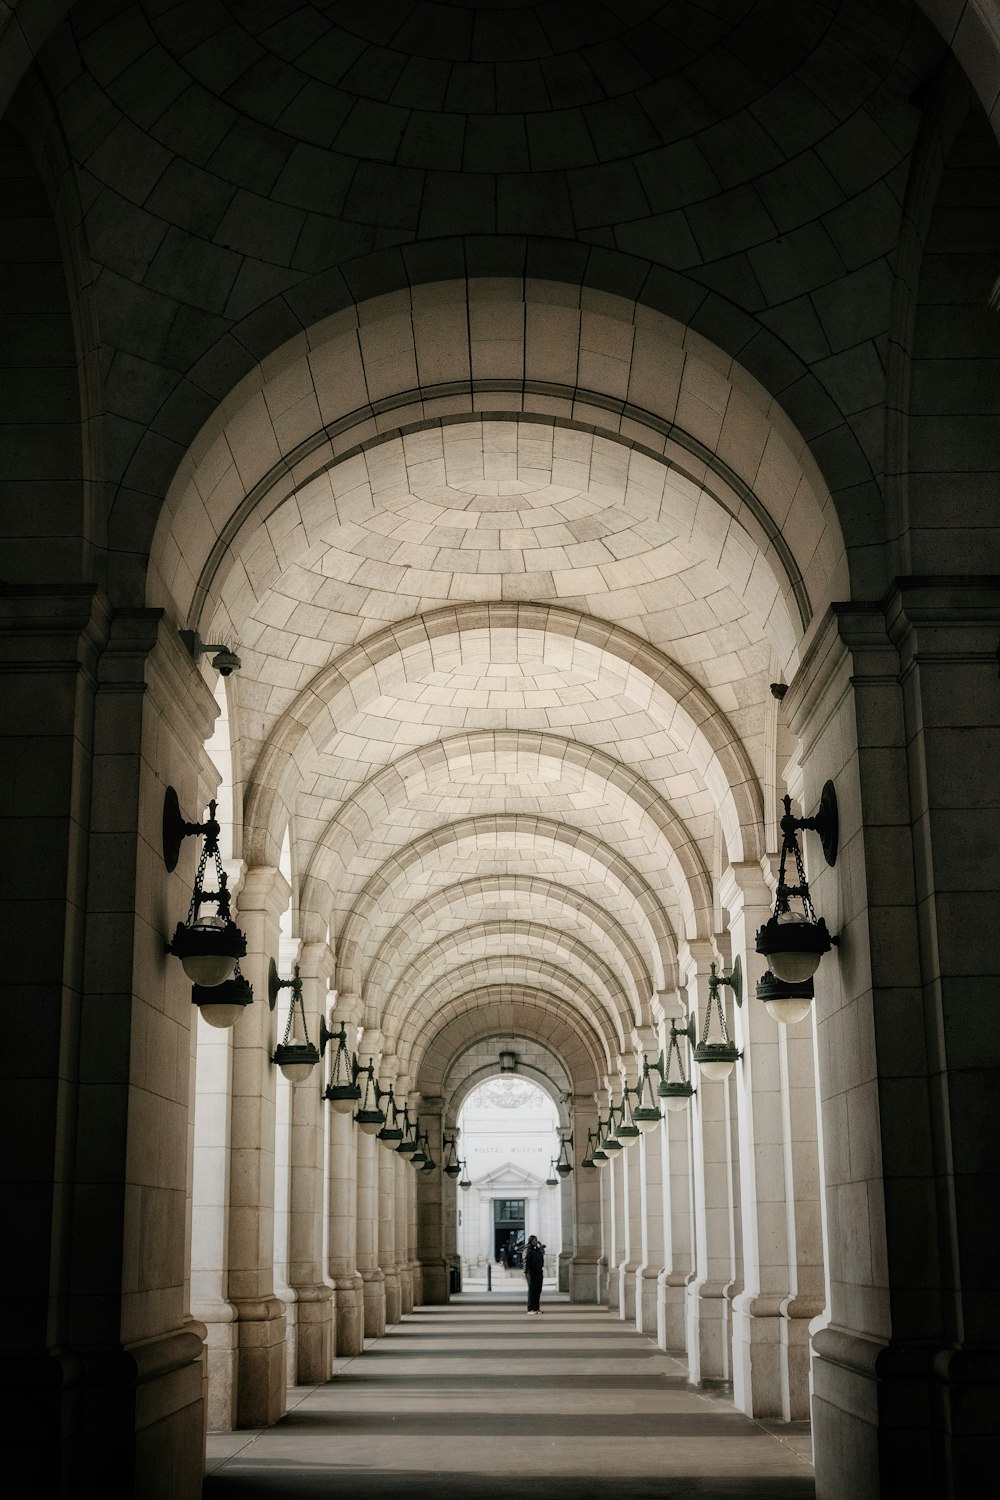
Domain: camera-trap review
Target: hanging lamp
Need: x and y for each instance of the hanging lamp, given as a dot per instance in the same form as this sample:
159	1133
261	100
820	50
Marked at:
369	1118
207	946
675	1092
563	1164
793	942
716	1058
295	1057
343	1091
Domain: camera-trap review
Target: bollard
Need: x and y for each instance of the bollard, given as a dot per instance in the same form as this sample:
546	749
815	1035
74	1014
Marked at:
489	1277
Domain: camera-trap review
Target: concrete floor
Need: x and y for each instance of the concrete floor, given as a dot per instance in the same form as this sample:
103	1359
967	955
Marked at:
478	1400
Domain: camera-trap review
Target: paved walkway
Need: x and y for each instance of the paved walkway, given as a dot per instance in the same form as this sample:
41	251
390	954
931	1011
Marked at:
476	1401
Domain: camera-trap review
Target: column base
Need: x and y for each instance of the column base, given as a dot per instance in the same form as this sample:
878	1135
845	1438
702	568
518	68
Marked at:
219	1319
626	1290
260	1362
562	1271
315	1334
434	1279
758	1366
349	1316
671	1309
709	1333
392	1295
897	1419
646	1287
417	1282
584	1280
373	1295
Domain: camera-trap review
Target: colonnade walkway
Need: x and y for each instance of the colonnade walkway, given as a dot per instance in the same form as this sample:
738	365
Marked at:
476	1400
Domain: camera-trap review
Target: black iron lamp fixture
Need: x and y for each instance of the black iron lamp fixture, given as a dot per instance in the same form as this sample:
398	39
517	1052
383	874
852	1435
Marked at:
716	1058
408	1143
370	1117
552	1181
628	1130
609	1135
598	1155
295	1058
463	1181
428	1164
452	1165
207	946
786	1003
392	1131
416	1152
343	1091
646	1113
793	942
675	1092
587	1161
222	1004
563	1164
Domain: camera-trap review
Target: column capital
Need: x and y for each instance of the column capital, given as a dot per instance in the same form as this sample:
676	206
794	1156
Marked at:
644	1039
388	1069
370	1046
666	1005
348	1008
265	889
749	883
316	961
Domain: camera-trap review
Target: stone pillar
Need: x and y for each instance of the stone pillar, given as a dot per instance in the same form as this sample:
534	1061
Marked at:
651	1226
405	1249
416	1268
449	1207
387	1210
210	1216
615	1172
708	1307
102	710
771	1314
367	1147
260	1394
430	1210
898	704
342	1205
584	1272
631	1161
567	1227
678	1206
306	1272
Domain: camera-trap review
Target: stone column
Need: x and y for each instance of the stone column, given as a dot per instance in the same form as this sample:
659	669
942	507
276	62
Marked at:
209	1237
342	1201
430	1210
567	1227
631	1161
584	1272
405	1249
306	1273
449	1207
367	1148
416	1268
771	1314
615	1172
387	1210
708	1307
260	1396
650	1220
678	1207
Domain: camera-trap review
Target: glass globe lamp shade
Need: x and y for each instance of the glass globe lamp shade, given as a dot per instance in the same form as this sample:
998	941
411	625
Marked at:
677	1102
370	1120
465	1185
343	1097
564	1169
452	1169
788	1012
600	1158
628	1135
716	1071
222	1004
208	950
647	1119
794	967
793	945
296	1060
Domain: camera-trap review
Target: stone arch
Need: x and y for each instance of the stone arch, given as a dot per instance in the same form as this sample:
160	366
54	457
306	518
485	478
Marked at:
562	907
582	851
685	709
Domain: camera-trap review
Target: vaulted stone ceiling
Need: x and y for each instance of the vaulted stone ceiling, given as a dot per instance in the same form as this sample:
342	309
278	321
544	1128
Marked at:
509	568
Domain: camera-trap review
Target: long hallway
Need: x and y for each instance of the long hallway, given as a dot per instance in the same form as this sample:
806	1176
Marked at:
474	1399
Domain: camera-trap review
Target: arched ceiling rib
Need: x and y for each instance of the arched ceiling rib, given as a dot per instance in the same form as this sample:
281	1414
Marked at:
500	842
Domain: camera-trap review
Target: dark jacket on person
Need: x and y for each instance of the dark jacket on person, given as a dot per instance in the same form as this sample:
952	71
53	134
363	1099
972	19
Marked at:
534	1260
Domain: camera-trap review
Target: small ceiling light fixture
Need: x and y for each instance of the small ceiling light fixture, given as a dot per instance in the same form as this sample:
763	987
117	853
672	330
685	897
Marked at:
452	1165
463	1181
225	661
716	1058
370	1118
793	942
343	1091
294	1056
563	1164
675	1092
207	946
508	1062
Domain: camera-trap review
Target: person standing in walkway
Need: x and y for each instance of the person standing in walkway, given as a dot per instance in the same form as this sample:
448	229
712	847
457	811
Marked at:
534	1267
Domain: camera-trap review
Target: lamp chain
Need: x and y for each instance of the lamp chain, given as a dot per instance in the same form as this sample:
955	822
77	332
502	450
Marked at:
296	1001
715	999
